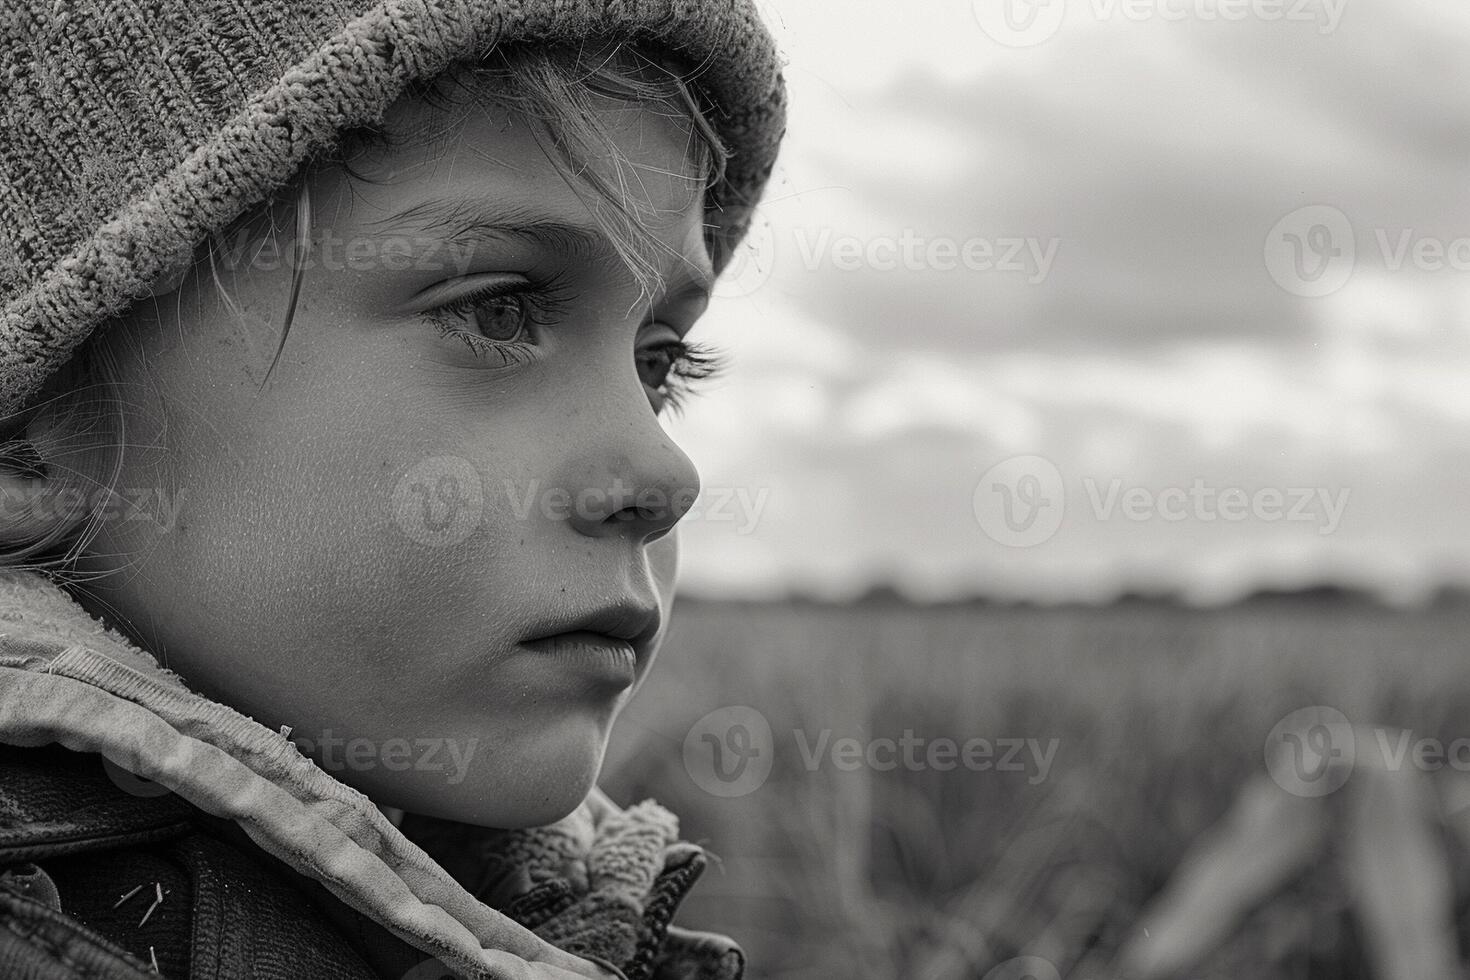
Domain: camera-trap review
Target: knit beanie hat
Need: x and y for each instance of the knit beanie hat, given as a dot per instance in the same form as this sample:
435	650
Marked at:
132	130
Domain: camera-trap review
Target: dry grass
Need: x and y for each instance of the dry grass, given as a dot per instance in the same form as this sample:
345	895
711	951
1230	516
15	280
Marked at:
1161	715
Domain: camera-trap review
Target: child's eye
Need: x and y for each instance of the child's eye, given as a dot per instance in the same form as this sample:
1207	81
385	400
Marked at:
672	371
654	365
500	320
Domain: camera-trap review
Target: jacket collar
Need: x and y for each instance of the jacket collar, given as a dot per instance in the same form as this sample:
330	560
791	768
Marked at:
67	679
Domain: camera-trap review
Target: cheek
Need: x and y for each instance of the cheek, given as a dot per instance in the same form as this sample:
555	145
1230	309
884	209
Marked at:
315	516
663	558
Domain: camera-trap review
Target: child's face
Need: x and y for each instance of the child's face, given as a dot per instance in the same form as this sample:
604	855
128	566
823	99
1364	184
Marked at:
364	547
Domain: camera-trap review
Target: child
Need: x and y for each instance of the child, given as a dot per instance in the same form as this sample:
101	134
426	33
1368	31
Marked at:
336	515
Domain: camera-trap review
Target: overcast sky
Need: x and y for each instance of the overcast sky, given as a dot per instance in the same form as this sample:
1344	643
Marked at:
1106	295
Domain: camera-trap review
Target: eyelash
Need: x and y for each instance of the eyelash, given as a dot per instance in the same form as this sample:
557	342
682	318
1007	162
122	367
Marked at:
546	302
690	364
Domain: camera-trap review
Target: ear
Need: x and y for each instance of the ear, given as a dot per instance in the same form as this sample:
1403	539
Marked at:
22	494
39	500
168	284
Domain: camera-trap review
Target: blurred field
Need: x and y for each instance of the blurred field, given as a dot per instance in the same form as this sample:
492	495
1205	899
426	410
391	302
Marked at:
1161	715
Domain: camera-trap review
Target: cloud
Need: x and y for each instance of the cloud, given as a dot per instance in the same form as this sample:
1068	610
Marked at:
871	392
1159	158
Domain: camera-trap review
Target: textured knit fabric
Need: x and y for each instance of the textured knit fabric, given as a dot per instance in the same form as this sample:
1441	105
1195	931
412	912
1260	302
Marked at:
67	679
131	130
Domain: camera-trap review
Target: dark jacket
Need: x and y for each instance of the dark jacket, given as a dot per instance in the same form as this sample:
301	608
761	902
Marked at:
83	865
209	846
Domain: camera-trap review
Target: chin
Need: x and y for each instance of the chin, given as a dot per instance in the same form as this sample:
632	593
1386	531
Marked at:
511	790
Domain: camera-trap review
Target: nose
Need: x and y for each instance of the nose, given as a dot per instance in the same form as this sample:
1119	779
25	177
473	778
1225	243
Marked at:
637	483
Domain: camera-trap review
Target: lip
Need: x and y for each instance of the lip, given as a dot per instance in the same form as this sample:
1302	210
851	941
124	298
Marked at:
608	658
605	644
629	620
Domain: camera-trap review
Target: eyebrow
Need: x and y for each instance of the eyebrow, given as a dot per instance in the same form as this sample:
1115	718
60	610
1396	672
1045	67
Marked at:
467	222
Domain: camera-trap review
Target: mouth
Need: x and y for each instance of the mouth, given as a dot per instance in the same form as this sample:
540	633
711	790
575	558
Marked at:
608	642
